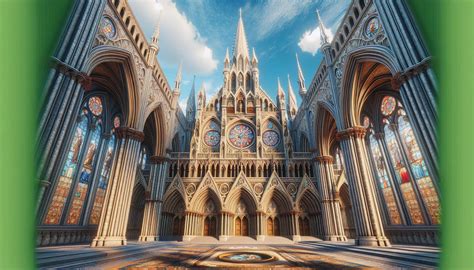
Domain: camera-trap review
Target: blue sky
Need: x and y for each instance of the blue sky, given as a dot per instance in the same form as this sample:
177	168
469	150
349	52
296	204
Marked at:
199	31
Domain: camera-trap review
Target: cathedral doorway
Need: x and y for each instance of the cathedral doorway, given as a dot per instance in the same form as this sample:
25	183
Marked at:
241	226
210	228
178	226
346	212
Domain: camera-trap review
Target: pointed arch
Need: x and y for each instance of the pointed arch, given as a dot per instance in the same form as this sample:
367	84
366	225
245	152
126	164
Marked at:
326	130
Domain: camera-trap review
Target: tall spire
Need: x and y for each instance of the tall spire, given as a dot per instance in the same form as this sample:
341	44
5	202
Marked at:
322	28
156	34
292	105
240	47
281	93
254	56
301	83
177	81
191	104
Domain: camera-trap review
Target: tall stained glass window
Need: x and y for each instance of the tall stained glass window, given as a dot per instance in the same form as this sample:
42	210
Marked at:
384	182
87	159
61	193
103	181
402	176
419	170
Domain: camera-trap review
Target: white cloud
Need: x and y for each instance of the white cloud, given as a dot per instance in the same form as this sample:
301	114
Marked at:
311	40
272	16
179	38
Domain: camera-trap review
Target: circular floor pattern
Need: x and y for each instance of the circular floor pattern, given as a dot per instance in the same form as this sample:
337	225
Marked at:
246	257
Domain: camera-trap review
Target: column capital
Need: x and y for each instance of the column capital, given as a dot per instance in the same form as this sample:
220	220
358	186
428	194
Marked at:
401	77
158	159
356	131
126	132
322	159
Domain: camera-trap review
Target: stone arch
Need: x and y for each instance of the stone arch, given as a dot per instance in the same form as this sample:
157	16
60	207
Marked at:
107	62
365	69
326	130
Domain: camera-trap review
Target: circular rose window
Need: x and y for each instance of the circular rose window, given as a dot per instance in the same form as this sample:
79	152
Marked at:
212	138
388	105
372	27
108	28
271	138
241	136
95	105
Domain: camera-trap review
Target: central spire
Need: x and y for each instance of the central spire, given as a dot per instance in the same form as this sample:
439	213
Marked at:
240	47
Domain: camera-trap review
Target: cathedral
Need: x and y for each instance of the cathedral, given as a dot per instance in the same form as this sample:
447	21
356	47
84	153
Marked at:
355	162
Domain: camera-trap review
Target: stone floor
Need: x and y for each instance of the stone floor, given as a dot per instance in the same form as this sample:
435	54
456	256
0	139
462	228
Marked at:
203	253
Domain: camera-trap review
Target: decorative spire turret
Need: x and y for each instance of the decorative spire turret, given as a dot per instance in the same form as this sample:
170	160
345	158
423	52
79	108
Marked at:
292	105
301	84
281	96
202	97
177	81
154	44
322	29
254	58
227	59
191	103
241	47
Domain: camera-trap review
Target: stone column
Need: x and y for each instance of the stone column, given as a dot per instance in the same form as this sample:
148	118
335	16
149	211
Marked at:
366	211
331	212
295	230
114	218
261	225
225	226
415	78
64	90
154	200
188	226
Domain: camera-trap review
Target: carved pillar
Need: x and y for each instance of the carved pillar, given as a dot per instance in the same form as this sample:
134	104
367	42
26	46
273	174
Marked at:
261	225
114	218
225	225
64	90
366	211
154	200
333	227
188	226
295	230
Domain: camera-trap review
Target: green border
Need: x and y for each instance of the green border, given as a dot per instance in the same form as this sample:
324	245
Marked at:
30	30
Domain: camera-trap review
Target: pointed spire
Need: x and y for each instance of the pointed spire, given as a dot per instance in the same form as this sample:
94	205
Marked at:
301	83
156	34
292	105
227	54
240	47
177	81
202	96
254	56
281	93
191	103
322	28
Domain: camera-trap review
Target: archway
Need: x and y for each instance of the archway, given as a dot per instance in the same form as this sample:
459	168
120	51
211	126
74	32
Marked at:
135	217
310	221
346	211
173	216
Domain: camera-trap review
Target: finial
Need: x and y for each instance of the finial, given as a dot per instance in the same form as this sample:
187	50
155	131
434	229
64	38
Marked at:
240	12
322	29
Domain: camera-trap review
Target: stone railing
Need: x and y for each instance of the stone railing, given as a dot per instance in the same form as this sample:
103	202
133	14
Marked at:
423	235
64	236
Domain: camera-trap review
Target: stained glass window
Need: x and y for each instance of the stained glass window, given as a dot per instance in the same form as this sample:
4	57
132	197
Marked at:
271	138
241	136
80	193
372	28
103	181
213	125
107	27
403	176
419	170
61	193
388	105
95	105
212	137
384	182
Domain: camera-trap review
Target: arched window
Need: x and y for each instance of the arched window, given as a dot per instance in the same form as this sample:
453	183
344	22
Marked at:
397	152
86	168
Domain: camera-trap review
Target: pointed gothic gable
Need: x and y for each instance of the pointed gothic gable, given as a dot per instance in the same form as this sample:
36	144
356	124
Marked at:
274	182
241	182
206	183
306	184
178	185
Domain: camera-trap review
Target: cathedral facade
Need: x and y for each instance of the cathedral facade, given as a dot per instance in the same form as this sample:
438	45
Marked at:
356	159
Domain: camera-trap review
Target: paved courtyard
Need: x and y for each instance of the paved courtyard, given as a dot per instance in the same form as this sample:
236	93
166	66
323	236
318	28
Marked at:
202	253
